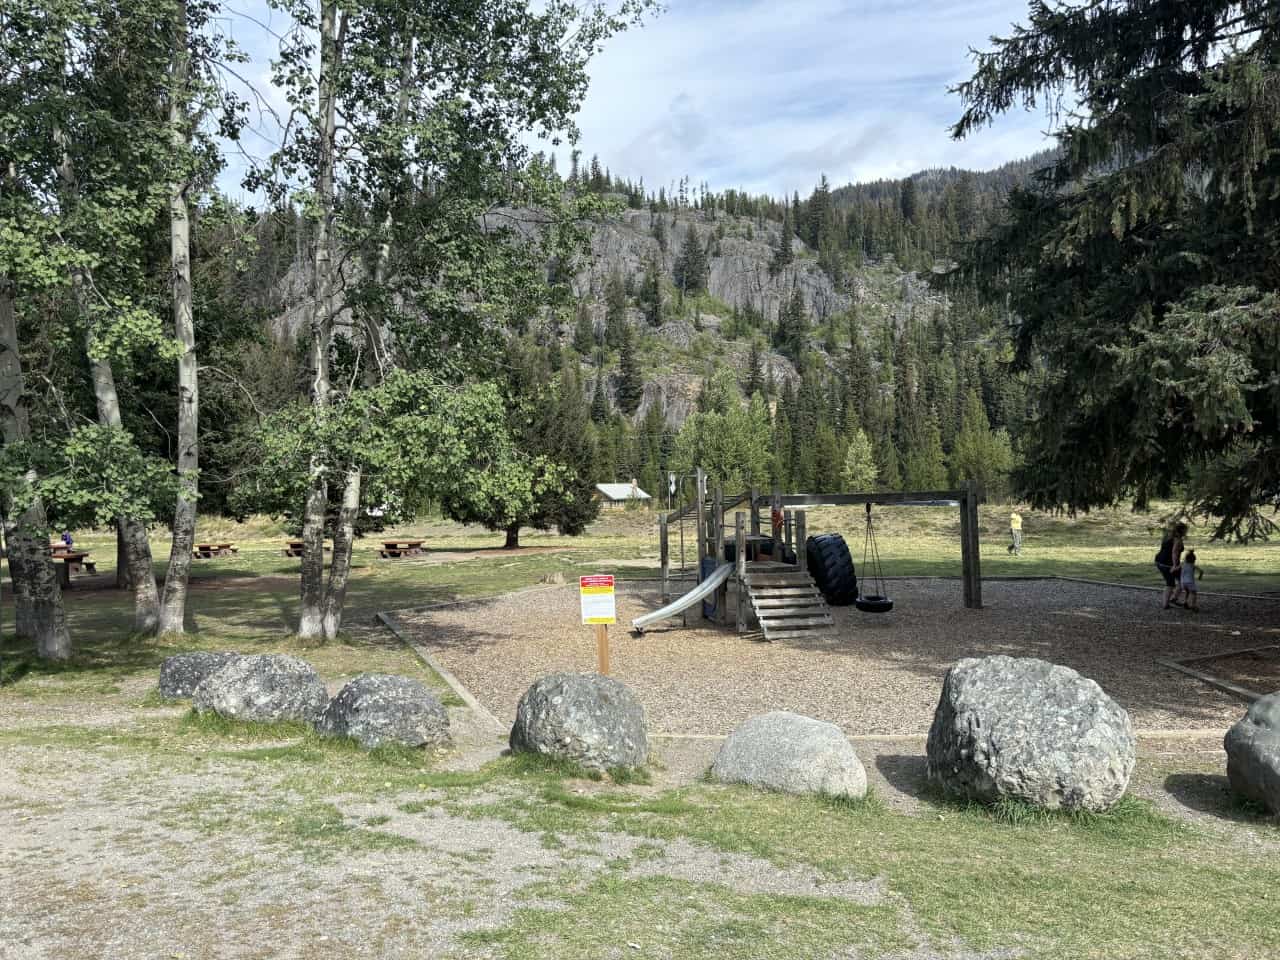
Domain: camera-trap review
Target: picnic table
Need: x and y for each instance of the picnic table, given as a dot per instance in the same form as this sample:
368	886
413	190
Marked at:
293	548
207	551
72	562
399	549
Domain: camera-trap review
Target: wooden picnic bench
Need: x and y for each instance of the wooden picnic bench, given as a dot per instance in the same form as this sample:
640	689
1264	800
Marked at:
207	551
72	562
294	548
399	549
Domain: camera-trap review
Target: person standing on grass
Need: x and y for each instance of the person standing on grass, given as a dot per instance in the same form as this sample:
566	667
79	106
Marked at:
1168	560
1015	533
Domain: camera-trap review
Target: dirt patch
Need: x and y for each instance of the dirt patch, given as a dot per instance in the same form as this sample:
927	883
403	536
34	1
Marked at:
879	675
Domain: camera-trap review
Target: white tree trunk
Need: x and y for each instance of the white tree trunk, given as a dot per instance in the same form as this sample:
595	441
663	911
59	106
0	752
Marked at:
312	609
174	604
39	611
146	599
340	570
142	576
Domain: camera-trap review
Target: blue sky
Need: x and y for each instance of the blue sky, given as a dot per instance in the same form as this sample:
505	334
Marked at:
767	96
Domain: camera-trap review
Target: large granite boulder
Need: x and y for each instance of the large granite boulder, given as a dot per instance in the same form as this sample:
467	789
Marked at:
375	708
1253	753
182	673
588	719
264	689
793	754
1032	731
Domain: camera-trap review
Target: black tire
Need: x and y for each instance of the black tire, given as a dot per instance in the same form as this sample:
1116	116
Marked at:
832	568
874	604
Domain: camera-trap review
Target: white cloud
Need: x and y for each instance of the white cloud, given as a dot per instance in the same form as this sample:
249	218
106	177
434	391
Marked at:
767	96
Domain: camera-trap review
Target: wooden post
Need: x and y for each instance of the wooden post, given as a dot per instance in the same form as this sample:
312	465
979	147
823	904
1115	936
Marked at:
975	550
786	531
755	512
700	513
722	594
602	649
740	567
664	554
966	549
802	552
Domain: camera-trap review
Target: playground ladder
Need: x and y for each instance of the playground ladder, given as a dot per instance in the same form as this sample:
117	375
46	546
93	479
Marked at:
787	603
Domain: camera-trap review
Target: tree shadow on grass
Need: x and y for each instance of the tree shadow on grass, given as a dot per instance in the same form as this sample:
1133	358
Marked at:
1211	793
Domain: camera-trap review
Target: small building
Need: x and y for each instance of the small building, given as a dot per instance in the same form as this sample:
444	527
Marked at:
621	494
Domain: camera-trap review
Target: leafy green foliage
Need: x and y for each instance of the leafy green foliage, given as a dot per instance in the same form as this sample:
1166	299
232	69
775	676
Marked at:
1141	261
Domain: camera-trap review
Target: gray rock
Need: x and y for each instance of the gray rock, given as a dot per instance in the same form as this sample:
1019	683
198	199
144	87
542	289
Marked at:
1029	730
264	689
1253	753
182	673
794	754
375	708
588	719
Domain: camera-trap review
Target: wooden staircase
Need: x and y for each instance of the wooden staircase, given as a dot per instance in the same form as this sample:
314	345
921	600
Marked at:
787	603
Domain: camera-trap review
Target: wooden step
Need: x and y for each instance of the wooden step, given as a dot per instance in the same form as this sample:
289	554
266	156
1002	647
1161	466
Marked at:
796	634
797	622
789	603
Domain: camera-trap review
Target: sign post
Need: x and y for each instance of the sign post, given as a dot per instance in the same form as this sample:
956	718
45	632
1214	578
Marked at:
599	609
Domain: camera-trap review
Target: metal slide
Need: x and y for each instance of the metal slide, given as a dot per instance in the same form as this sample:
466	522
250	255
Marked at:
684	602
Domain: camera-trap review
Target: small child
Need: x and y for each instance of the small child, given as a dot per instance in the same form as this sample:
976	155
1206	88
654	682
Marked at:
1187	580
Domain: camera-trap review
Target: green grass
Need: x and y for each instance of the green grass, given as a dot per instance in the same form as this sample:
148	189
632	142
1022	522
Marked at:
659	916
1127	884
982	877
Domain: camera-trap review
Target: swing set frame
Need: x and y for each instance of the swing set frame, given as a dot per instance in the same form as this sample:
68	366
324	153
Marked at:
966	498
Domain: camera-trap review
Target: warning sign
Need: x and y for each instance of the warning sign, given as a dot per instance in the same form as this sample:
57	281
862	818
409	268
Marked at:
596	594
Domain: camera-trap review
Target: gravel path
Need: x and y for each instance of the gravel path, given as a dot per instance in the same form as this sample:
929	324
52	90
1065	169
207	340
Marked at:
880	675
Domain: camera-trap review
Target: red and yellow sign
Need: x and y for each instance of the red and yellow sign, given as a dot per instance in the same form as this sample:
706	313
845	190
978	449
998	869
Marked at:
597	598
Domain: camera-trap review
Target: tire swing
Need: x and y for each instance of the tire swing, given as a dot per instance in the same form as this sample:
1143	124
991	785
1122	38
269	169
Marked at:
878	602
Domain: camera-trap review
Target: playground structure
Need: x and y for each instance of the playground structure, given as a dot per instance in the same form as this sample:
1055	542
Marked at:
785	578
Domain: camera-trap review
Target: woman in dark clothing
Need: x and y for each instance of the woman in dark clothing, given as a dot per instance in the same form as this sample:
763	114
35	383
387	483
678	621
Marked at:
1169	558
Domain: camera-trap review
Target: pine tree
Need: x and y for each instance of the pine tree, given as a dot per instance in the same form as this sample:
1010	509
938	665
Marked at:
584	331
1169	172
782	253
907	200
659	229
630	384
600	401
755	369
887	470
615	315
793	326
650	296
691	265
860	470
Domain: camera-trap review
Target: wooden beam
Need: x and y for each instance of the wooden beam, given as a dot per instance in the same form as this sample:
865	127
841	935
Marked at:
740	567
664	554
802	552
717	544
906	498
975	547
966	558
